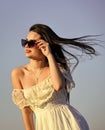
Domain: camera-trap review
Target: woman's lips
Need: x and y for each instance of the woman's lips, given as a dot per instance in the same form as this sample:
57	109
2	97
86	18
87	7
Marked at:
28	51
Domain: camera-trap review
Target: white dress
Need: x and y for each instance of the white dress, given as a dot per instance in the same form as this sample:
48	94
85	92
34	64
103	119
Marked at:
50	107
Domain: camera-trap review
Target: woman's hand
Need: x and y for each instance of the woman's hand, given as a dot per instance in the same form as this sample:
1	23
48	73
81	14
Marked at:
44	47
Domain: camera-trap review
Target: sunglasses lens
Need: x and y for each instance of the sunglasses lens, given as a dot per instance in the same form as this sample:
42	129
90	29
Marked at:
23	42
30	43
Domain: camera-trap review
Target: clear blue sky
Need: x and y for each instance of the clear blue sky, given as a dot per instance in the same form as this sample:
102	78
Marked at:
68	18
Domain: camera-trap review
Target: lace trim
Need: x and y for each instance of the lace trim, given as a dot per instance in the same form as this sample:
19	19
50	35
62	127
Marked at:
19	99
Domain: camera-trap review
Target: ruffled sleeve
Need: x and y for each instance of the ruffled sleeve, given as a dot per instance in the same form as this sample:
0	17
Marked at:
19	99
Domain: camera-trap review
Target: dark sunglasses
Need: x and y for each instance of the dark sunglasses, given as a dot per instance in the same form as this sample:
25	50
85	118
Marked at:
30	43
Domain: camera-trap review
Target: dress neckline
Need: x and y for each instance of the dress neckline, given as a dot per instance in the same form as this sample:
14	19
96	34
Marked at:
38	84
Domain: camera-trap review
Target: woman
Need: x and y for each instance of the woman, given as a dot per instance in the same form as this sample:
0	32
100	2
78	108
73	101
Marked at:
42	86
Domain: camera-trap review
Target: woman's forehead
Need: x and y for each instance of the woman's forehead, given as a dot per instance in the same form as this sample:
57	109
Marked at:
33	35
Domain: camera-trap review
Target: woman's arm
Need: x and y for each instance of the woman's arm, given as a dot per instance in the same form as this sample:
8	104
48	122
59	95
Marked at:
57	77
27	113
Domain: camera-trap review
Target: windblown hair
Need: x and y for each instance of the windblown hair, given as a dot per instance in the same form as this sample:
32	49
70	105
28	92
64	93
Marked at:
83	44
62	55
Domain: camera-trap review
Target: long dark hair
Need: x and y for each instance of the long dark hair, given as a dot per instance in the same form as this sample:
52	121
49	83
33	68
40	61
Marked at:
61	54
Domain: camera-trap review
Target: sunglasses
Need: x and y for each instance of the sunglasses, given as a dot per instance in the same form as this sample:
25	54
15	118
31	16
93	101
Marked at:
30	43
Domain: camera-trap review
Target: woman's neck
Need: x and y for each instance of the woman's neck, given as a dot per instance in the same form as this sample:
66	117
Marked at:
35	64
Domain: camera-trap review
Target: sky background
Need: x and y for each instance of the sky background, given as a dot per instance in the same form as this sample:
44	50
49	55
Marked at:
68	18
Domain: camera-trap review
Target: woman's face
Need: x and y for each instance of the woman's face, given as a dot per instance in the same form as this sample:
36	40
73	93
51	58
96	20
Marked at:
33	52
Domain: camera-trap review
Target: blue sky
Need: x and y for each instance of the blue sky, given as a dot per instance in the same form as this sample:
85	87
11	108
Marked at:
68	18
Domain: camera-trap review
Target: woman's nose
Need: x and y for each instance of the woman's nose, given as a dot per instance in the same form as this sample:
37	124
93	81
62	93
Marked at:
26	46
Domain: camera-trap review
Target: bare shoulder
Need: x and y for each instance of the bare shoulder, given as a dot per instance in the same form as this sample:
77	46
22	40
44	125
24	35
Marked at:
16	75
17	71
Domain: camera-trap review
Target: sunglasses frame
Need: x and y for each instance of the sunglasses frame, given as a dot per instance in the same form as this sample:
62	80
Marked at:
30	43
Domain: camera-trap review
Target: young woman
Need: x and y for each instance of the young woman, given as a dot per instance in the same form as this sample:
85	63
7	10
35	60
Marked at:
42	86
